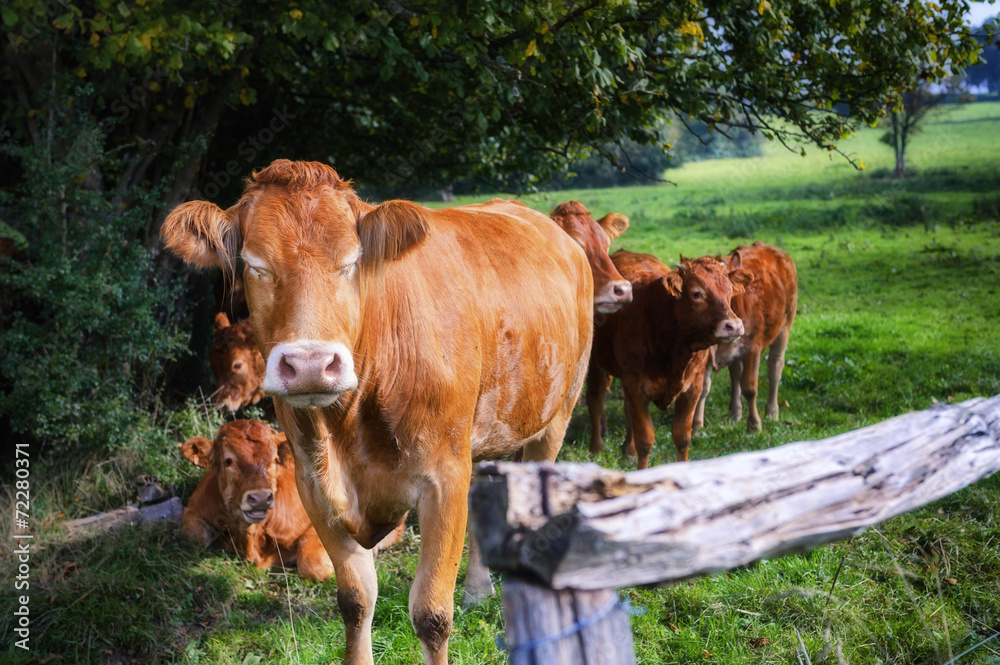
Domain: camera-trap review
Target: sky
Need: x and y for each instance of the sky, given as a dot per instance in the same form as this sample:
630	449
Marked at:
981	10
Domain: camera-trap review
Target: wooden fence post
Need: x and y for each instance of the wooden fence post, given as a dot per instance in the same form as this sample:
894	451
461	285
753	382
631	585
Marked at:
565	627
578	527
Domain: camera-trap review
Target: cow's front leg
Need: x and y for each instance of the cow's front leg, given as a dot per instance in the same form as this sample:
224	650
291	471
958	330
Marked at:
357	583
640	431
443	510
684	409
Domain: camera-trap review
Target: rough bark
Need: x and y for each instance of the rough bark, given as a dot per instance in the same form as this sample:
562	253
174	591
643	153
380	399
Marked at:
583	527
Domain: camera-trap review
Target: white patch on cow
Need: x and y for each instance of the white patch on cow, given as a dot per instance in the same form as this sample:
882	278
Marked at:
300	372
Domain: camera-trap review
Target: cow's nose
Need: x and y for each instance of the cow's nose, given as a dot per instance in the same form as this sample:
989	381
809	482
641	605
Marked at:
259	500
622	291
309	373
729	328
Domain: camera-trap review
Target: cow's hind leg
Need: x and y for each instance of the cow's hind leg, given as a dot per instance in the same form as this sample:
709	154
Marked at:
775	364
478	584
699	411
443	511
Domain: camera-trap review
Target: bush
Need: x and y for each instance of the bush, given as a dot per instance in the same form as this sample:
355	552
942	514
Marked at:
87	326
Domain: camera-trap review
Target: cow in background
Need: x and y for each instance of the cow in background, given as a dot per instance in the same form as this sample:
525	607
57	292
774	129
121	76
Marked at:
767	309
401	345
658	345
247	500
237	365
611	290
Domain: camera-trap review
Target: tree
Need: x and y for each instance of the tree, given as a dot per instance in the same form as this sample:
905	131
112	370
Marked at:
905	117
390	91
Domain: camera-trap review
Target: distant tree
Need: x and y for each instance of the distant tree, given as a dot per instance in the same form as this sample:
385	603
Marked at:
905	118
987	72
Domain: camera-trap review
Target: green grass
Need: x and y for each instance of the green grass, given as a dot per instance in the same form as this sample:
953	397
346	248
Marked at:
898	309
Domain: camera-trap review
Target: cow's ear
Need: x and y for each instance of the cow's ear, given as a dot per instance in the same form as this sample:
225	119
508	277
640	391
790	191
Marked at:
735	260
673	283
390	229
614	224
198	450
202	234
741	279
221	321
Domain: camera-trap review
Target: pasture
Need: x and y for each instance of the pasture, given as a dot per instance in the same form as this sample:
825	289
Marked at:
898	309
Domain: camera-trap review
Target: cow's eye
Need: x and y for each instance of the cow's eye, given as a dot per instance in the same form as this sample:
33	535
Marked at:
237	366
698	295
347	270
229	462
256	273
277	460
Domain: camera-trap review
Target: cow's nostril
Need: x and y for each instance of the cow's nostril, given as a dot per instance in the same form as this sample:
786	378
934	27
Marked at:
260	500
285	369
334	366
623	290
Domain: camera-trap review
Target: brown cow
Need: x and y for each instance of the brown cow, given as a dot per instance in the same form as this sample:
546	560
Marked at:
767	309
658	345
401	344
611	290
248	500
237	365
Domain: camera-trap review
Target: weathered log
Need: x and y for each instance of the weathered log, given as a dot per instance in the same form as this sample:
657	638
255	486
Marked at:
565	627
583	527
130	515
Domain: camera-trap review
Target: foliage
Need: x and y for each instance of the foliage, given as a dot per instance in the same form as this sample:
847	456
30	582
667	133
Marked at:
987	72
90	326
905	119
627	164
197	94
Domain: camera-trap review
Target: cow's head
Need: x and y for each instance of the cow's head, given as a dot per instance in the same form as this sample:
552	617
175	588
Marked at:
246	456
310	246
611	290
704	288
236	363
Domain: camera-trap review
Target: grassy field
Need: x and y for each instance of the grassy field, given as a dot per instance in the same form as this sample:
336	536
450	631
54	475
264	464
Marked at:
898	309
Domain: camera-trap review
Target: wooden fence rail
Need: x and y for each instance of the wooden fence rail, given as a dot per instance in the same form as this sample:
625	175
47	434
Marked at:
585	529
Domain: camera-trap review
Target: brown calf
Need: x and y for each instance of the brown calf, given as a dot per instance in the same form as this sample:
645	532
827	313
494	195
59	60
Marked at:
247	500
767	308
237	365
401	344
611	290
658	345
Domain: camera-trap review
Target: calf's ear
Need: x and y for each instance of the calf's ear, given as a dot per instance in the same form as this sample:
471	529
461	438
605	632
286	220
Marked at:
202	234
221	321
614	224
198	450
285	457
741	279
389	230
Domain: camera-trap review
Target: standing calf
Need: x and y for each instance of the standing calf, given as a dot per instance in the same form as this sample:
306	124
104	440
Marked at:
658	345
767	308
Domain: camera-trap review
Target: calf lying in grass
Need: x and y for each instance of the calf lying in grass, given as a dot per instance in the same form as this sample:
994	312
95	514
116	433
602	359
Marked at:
248	501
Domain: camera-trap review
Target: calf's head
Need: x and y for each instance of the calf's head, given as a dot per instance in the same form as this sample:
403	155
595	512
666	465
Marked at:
611	290
704	289
247	457
236	363
310	247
